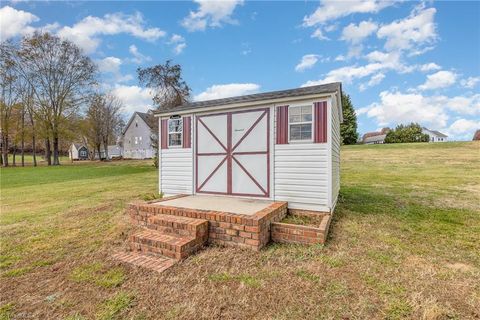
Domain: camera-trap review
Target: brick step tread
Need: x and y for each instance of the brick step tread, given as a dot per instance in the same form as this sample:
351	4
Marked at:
176	222
150	237
154	263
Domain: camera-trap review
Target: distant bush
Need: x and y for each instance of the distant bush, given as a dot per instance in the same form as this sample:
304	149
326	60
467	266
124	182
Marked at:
407	133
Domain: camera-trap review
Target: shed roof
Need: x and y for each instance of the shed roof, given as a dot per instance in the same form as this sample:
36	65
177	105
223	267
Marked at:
298	92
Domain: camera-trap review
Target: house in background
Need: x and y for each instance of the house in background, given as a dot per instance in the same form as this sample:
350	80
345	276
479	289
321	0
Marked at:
115	151
476	135
435	136
78	152
377	137
136	137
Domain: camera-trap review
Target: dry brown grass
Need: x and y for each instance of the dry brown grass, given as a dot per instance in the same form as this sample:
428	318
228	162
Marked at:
396	250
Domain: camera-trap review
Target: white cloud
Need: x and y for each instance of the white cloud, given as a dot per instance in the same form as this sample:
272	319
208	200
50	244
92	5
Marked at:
138	57
211	14
227	90
333	9
397	107
464	105
432	111
178	42
15	22
319	35
416	30
374	80
109	64
86	33
470	82
440	79
356	33
307	62
134	98
429	67
464	127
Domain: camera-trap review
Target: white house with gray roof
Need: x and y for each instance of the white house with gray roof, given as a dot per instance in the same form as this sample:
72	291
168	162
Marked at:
435	136
137	137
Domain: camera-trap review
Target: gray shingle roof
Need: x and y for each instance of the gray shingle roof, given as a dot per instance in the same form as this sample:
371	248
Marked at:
319	89
144	116
379	137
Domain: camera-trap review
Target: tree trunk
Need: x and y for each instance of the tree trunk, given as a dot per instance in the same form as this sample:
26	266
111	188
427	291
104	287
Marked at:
56	160
98	150
48	152
14	163
22	143
105	147
34	149
5	150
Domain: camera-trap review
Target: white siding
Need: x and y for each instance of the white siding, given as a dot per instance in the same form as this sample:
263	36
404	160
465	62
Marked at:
176	168
301	173
176	172
336	141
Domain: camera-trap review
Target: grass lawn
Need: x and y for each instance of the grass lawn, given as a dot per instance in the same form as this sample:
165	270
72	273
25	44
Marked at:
404	243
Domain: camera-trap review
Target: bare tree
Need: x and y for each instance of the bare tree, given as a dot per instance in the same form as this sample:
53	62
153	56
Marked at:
60	74
168	88
9	93
94	124
112	119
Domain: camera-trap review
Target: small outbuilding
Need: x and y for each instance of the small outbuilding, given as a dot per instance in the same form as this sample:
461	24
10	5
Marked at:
78	152
281	145
137	135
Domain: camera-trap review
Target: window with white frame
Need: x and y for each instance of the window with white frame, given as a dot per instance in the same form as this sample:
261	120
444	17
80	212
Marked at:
175	132
300	123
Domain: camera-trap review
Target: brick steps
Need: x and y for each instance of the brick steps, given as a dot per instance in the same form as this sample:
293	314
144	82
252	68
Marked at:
157	264
163	240
177	225
159	244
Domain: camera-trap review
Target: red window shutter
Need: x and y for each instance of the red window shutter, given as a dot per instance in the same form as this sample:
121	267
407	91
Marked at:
187	132
282	125
164	134
320	122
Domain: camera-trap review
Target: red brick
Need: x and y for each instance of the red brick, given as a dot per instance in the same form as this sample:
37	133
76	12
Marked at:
247	235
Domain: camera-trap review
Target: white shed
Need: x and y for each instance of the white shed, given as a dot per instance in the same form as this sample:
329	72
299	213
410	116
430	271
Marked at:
282	145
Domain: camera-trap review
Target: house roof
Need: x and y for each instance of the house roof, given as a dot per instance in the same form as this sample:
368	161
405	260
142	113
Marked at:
78	145
377	137
298	92
437	133
143	115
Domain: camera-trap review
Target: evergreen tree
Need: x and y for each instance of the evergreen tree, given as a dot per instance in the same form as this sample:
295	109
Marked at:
348	129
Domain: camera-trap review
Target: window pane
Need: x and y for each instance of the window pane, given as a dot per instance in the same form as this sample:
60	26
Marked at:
294	110
295	132
301	132
295	118
175	125
306	131
306	117
306	110
175	139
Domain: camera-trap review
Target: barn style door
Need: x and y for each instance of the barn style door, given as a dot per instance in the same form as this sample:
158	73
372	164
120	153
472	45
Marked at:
232	153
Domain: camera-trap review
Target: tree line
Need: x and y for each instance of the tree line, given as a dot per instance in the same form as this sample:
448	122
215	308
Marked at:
50	95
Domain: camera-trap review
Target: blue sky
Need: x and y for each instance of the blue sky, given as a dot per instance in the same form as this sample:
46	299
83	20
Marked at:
399	61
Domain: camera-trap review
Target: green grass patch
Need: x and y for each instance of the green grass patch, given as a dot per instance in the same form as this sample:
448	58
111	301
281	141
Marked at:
309	276
113	307
96	273
151	196
248	280
6	311
16	272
